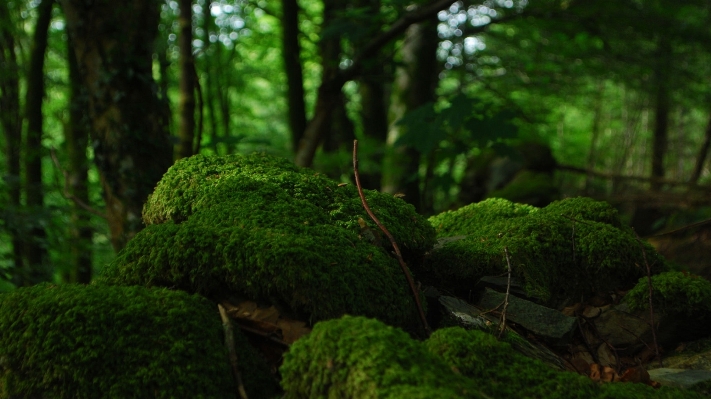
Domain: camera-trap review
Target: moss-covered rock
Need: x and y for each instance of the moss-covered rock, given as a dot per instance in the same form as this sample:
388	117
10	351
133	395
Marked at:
673	292
356	357
501	372
567	250
73	341
260	227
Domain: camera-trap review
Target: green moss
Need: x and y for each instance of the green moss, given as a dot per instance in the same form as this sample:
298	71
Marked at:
556	257
355	357
500	372
94	341
673	292
264	229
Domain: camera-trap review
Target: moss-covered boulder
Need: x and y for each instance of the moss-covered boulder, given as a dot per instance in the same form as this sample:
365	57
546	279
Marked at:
501	372
356	357
71	341
262	228
568	250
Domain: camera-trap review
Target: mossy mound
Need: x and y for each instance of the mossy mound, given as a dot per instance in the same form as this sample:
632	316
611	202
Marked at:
673	292
501	372
71	341
260	227
568	250
356	357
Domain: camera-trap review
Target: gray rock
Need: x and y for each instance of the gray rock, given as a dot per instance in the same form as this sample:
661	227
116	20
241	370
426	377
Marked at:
546	323
679	378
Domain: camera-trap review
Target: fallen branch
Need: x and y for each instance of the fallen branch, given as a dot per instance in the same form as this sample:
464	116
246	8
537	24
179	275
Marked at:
230	344
385	231
506	298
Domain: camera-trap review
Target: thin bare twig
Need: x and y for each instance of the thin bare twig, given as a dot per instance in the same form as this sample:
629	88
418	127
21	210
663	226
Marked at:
651	308
506	298
385	231
65	192
230	344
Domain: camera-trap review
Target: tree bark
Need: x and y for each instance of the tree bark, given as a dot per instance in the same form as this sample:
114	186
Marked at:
329	90
11	122
113	43
662	107
186	107
291	51
416	83
703	153
37	269
76	137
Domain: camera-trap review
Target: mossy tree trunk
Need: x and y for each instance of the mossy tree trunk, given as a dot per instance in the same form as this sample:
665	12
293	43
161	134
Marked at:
36	270
11	122
113	43
186	107
415	86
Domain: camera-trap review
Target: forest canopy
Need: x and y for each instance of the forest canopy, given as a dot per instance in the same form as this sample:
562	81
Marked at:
453	102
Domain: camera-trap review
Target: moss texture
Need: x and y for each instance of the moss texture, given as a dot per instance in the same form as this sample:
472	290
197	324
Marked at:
73	341
673	292
260	227
568	250
356	357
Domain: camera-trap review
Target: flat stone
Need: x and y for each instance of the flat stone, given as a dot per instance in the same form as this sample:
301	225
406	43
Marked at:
546	323
679	378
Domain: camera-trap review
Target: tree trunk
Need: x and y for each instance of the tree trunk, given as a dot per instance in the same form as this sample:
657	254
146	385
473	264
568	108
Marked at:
703	153
208	70
328	92
113	43
291	51
37	269
11	122
661	111
415	86
186	107
76	137
339	124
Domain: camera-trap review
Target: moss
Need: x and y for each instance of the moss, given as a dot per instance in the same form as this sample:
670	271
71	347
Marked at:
501	372
556	257
264	229
94	341
356	357
673	292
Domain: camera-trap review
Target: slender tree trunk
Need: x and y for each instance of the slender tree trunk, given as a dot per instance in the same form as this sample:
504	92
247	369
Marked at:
703	153
374	92
37	269
208	69
595	135
662	107
76	137
415	86
113	43
186	107
11	122
340	125
291	51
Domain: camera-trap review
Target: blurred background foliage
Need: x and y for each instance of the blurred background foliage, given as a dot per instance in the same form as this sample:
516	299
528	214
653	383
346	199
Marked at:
453	102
